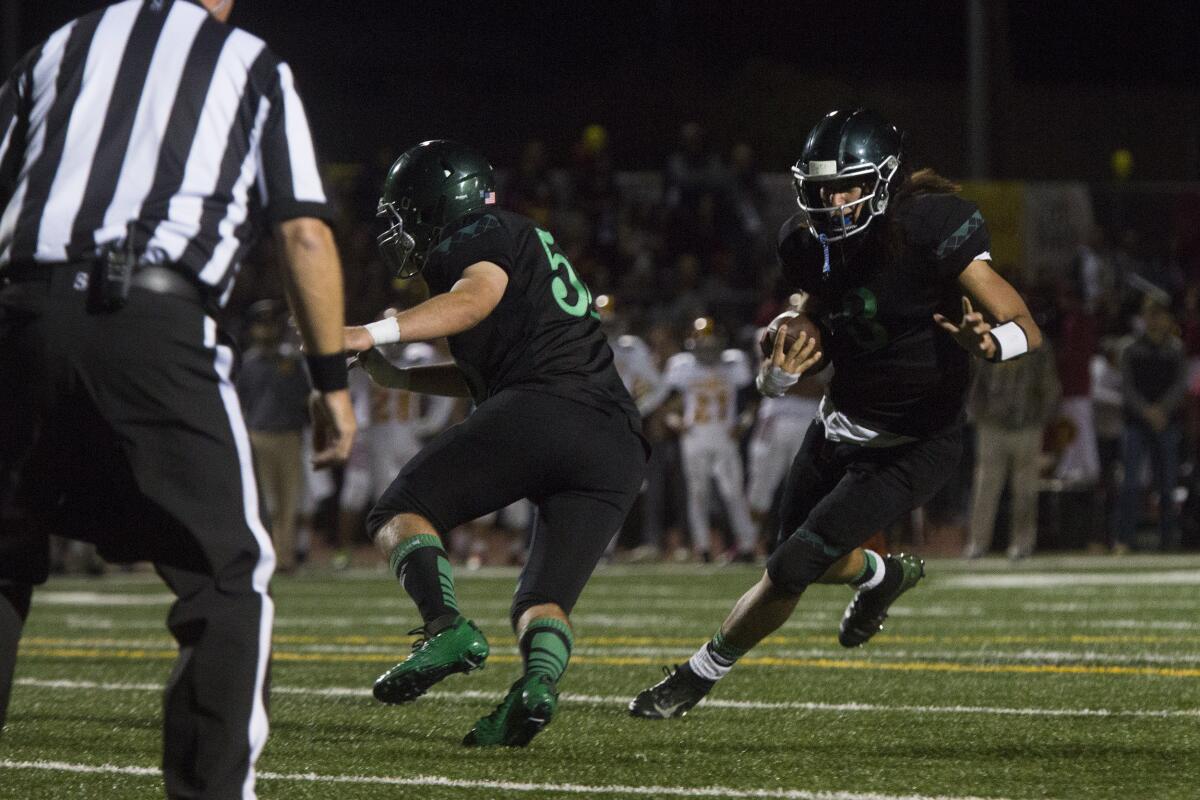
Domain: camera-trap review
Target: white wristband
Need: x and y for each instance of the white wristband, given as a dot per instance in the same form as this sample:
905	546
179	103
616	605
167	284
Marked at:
774	381
384	331
1011	341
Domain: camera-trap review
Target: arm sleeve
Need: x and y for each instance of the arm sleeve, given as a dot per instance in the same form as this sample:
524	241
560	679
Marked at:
674	377
800	257
289	182
657	389
740	370
960	234
14	113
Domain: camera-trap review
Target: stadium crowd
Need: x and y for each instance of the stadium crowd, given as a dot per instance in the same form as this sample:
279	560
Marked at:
685	258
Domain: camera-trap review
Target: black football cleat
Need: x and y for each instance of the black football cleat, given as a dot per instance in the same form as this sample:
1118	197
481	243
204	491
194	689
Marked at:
673	696
865	615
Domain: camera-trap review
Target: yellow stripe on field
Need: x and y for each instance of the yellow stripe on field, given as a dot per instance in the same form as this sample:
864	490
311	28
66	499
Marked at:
631	661
695	641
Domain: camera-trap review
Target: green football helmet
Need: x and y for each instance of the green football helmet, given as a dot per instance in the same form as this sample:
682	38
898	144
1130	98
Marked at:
427	188
844	149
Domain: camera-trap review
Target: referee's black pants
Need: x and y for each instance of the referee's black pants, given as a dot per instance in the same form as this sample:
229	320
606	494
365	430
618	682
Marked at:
124	429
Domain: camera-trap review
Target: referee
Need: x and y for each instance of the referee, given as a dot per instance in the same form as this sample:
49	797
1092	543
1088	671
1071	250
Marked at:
142	146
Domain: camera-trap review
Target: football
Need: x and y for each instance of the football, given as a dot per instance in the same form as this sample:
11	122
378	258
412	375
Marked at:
796	321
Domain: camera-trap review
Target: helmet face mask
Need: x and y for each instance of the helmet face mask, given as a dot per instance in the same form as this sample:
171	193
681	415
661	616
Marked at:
395	244
847	149
840	221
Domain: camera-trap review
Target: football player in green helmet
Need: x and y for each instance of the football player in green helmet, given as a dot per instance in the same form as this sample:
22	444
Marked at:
552	423
887	257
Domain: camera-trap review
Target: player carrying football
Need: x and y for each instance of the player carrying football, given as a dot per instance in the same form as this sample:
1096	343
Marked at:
886	255
552	423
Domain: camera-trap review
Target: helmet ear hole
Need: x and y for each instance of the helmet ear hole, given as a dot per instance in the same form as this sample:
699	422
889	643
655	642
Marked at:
880	201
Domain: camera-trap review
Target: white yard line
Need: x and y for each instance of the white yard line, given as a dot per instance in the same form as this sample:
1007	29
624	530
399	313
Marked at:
1054	580
500	786
678	652
622	702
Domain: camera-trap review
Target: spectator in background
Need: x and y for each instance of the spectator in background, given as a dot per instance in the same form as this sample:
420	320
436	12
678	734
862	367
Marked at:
593	180
1077	339
273	388
690	186
1154	384
1092	269
532	192
1010	403
744	229
1107	408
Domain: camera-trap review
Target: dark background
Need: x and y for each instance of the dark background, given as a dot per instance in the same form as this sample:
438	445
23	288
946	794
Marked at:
1069	82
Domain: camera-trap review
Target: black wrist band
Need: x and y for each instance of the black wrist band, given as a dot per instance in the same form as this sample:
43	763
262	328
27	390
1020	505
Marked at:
328	372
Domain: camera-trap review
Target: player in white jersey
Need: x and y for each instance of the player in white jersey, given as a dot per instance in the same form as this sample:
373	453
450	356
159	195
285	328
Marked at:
635	364
394	425
708	380
779	428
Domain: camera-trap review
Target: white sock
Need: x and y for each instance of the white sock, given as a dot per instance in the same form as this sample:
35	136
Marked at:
880	567
706	666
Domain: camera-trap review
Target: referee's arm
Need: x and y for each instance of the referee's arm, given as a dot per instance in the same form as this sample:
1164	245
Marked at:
312	278
295	204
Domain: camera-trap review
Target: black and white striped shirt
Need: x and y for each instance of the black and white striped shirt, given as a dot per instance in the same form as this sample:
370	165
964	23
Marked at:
152	112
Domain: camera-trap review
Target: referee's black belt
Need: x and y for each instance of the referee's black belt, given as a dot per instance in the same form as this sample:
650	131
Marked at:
152	278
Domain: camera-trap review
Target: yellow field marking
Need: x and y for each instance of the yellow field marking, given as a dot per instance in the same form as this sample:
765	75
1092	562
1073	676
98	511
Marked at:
819	638
757	661
695	641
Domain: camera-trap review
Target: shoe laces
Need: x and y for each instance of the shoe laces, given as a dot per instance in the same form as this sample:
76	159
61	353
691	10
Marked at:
422	637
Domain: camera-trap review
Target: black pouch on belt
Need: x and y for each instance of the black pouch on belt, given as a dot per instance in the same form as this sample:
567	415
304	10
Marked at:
112	276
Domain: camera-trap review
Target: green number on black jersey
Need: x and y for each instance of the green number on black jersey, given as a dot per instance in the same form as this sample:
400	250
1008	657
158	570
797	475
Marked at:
583	297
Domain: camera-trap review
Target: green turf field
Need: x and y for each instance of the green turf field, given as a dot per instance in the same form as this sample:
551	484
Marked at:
1062	677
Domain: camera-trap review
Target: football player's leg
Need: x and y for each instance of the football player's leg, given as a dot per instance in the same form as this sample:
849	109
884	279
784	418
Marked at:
878	488
574	526
465	472
730	480
767	604
697	473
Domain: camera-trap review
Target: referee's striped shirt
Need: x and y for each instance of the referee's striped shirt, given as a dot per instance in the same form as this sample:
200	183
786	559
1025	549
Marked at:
155	113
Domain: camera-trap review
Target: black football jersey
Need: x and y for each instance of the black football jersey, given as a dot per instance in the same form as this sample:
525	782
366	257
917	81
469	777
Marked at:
895	370
545	333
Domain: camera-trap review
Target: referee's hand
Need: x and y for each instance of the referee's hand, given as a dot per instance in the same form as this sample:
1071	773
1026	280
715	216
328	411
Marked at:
334	426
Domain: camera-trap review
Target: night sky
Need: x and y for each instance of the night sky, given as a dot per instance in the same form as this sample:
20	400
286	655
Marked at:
385	75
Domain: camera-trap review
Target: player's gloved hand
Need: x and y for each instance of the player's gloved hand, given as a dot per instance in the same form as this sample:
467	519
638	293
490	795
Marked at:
972	334
382	372
784	368
334	426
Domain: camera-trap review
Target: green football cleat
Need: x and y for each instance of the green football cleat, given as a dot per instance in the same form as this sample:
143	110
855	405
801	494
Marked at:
865	615
525	710
459	647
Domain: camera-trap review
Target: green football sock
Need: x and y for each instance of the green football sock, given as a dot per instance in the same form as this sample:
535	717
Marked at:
546	646
871	573
423	568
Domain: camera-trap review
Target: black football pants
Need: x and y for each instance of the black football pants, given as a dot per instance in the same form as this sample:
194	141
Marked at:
581	467
129	435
